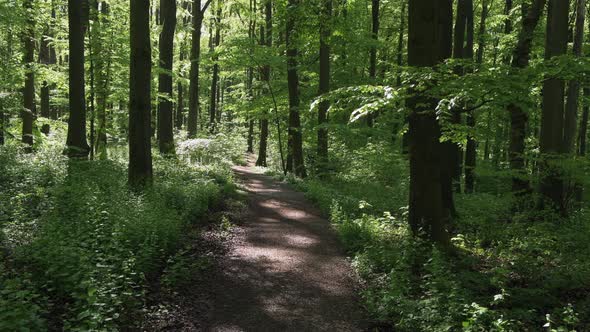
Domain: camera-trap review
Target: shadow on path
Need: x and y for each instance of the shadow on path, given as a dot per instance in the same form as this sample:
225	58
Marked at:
286	271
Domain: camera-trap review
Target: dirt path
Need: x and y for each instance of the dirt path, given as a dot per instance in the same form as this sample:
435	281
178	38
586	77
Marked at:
286	271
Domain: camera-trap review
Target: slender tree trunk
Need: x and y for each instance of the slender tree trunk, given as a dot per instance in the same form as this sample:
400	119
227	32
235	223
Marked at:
250	78
140	152
471	148
373	50
265	39
165	107
295	141
195	57
28	112
552	119
103	71
77	146
324	86
180	94
429	35
518	117
45	58
583	134
215	75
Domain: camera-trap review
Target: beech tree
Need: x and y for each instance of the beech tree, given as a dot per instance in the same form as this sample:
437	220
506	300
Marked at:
140	69
77	145
430	30
165	107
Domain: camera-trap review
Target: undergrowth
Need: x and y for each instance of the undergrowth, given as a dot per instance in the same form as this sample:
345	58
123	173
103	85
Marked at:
508	272
79	249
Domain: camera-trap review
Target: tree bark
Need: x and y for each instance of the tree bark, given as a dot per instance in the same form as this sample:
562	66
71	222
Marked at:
573	91
518	117
324	84
215	74
429	36
583	134
295	141
552	119
28	112
77	145
195	57
140	153
166	47
265	39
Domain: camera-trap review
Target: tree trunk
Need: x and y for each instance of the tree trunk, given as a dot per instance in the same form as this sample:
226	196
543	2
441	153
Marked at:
573	92
250	78
373	51
166	47
102	64
295	141
471	148
77	146
215	75
324	84
195	57
518	117
583	134
429	35
28	112
552	119
140	153
265	39
180	94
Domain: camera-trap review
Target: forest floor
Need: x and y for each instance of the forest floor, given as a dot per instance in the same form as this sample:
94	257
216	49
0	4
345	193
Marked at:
284	270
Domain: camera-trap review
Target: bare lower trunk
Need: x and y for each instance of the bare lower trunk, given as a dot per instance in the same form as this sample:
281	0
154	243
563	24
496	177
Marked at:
166	47
140	153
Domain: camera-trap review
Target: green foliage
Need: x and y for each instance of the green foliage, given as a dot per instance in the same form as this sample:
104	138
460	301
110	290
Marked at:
80	247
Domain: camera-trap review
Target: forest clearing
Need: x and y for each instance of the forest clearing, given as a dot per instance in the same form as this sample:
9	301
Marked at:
294	165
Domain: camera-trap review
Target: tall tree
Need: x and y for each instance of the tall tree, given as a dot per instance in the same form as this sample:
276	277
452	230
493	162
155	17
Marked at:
250	75
214	93
295	140
324	84
471	148
77	145
552	119
373	50
265	39
28	112
166	47
140	152
102	65
429	35
573	91
195	57
518	117
47	56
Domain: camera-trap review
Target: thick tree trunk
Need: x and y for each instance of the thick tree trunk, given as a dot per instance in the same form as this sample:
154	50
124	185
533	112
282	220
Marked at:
295	141
28	112
573	91
166	47
373	50
250	79
552	120
77	145
518	117
430	29
140	152
263	144
324	84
